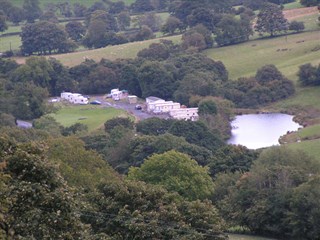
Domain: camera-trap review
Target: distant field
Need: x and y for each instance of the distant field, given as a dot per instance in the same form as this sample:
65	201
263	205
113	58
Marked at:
92	116
87	3
286	52
292	5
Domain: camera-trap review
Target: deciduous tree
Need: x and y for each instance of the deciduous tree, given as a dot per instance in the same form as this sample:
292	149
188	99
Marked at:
271	20
176	172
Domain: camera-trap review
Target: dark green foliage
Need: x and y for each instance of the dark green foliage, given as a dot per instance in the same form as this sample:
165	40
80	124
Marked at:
271	20
232	159
32	10
119	121
36	191
196	133
156	79
268	199
150	20
309	75
49	16
144	33
156	51
7	120
232	31
135	210
75	30
140	6
76	128
154	126
16	15
269	85
44	38
124	20
3	23
79	10
145	146
207	107
309	3
172	25
296	26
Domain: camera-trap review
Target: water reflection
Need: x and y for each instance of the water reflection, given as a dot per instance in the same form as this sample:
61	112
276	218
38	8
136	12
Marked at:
261	130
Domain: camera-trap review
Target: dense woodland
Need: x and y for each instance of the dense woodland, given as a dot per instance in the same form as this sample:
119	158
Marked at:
156	178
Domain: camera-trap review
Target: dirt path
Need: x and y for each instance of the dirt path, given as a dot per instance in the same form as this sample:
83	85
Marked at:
299	12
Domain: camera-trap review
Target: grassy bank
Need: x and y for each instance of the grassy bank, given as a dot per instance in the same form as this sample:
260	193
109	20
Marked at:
92	116
246	237
286	52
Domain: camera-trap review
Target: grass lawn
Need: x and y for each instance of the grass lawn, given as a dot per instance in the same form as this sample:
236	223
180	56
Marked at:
92	116
14	41
246	237
286	52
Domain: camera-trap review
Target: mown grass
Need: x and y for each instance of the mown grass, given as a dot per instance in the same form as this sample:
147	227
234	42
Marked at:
286	52
246	237
92	116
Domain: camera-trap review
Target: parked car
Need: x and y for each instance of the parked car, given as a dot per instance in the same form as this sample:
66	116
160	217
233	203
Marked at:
95	102
138	107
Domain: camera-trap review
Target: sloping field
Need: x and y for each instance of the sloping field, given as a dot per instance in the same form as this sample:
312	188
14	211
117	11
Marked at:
286	52
128	50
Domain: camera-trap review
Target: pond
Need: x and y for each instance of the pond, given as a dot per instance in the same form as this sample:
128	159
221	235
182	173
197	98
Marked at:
261	130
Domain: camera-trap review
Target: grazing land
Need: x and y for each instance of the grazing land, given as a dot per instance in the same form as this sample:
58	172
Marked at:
311	147
286	52
92	116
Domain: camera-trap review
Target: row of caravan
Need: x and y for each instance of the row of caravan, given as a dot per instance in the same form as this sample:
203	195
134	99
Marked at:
75	98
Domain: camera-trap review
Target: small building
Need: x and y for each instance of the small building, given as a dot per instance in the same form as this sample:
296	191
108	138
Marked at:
132	99
184	114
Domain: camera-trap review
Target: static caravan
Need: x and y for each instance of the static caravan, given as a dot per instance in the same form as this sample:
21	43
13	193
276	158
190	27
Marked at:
65	95
132	99
165	107
184	114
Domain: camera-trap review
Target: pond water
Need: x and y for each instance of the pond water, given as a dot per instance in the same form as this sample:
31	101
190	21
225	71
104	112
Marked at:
261	130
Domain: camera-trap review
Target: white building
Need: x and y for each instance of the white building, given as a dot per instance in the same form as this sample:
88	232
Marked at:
163	107
185	114
132	99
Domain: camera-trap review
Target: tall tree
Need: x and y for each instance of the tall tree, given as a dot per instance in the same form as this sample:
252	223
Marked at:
271	20
44	38
32	10
3	23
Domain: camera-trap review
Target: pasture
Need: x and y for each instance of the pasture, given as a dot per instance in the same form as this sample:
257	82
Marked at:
286	52
311	147
92	116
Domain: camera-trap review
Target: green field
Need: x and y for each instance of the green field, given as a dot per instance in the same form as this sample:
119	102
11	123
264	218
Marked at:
286	52
246	237
292	5
128	50
10	42
311	147
92	116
